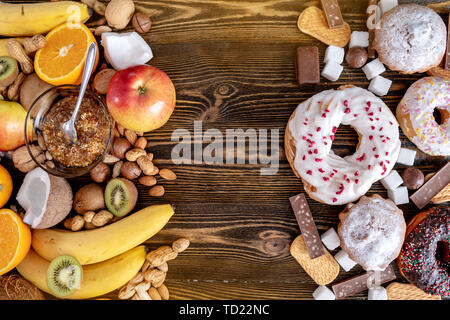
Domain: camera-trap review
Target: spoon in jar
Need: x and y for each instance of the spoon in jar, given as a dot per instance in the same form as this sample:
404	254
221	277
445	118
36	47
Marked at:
68	127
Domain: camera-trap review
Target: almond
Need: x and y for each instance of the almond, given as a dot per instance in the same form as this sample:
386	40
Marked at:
110	159
131	136
163	292
120	129
167	174
147	181
156	191
141	143
116	169
154	294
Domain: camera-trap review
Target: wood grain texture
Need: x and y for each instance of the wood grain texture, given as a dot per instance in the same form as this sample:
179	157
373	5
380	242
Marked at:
232	63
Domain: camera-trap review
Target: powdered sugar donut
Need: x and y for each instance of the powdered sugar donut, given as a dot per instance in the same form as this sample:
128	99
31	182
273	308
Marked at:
415	115
310	131
372	232
411	38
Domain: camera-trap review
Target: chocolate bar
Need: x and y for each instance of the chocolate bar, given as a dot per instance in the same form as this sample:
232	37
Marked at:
447	54
362	282
307	65
332	13
432	187
371	50
307	226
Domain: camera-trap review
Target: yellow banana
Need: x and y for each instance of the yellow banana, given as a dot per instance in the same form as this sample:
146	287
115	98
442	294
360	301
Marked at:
27	19
4	51
98	279
95	245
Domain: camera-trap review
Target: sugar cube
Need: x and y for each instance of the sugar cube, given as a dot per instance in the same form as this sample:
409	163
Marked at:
330	239
380	85
344	260
359	39
399	195
406	156
386	5
377	293
323	293
373	69
392	181
332	71
333	53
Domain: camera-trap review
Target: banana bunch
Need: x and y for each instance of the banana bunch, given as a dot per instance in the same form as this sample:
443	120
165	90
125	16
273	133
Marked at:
110	256
27	19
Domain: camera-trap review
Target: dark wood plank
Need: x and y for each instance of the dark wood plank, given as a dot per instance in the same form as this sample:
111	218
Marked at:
232	63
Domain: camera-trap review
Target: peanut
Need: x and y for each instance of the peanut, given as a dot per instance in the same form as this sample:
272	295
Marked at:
164	267
154	294
145	163
161	255
34	43
126	293
100	29
180	245
88	216
96	5
154	276
17	51
163	292
13	90
138	278
133	154
101	218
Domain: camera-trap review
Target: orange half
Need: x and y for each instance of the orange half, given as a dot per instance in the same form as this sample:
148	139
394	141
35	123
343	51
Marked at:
62	59
15	240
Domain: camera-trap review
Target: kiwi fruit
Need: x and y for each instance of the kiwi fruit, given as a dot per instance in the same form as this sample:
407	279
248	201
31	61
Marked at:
8	71
120	196
64	276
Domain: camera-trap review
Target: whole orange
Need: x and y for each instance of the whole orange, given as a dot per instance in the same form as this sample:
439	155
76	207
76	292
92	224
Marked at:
6	186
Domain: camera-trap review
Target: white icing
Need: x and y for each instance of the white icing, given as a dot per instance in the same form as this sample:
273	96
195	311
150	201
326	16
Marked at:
412	37
373	232
313	127
418	105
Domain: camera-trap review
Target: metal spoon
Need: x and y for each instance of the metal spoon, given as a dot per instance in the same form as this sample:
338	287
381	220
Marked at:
68	127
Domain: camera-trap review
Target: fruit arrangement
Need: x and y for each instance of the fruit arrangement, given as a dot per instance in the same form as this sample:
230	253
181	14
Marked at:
81	244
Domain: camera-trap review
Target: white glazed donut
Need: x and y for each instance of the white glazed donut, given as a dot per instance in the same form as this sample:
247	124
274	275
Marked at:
415	115
327	177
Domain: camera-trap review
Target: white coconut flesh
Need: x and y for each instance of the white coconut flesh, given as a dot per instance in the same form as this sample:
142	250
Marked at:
46	199
33	196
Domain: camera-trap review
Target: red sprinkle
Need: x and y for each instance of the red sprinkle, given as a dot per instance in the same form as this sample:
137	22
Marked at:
346	103
332	137
309	152
369	167
370	114
324	115
321	170
318	129
304	138
357	173
355	115
318	160
334	129
372	127
370	137
316	151
304	157
377	156
374	149
362	157
335	170
347	110
381	128
356	181
334	199
387	153
325	178
309	172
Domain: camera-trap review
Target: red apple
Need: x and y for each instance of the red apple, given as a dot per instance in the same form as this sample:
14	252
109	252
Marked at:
141	98
12	125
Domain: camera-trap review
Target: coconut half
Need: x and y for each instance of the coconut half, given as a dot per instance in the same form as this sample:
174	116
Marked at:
47	199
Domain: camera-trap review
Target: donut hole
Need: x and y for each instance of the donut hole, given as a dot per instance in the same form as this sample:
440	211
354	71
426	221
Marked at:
443	253
437	116
345	141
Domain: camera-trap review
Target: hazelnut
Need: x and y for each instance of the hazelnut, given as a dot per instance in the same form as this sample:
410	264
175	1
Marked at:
102	79
119	12
100	173
356	57
413	178
120	147
141	22
130	170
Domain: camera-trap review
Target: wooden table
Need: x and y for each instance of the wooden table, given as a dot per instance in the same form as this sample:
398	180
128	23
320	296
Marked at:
232	63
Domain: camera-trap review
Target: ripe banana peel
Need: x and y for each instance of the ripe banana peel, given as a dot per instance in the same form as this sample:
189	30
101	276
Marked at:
95	245
98	279
28	19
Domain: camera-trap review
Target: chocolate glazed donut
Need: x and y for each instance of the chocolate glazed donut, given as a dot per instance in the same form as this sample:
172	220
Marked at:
424	259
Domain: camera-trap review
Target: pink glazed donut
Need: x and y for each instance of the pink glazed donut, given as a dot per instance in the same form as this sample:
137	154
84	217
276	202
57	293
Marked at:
415	115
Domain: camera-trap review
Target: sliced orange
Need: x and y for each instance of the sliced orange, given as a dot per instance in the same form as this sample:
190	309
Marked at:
15	240
62	59
6	186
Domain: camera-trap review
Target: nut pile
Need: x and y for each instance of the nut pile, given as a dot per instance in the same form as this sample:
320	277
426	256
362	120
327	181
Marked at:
89	220
148	284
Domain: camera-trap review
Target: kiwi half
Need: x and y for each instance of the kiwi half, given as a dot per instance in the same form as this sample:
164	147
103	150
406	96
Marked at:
8	71
64	276
120	196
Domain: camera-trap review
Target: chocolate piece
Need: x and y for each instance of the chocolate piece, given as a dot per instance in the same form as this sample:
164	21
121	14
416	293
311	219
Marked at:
362	282
332	13
413	178
432	187
307	226
307	65
356	57
447	54
371	50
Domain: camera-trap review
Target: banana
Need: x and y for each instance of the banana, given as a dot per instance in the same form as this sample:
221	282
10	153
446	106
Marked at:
27	19
4	51
98	279
95	245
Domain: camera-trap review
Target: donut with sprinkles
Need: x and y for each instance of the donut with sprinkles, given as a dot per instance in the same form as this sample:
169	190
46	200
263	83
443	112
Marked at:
327	177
